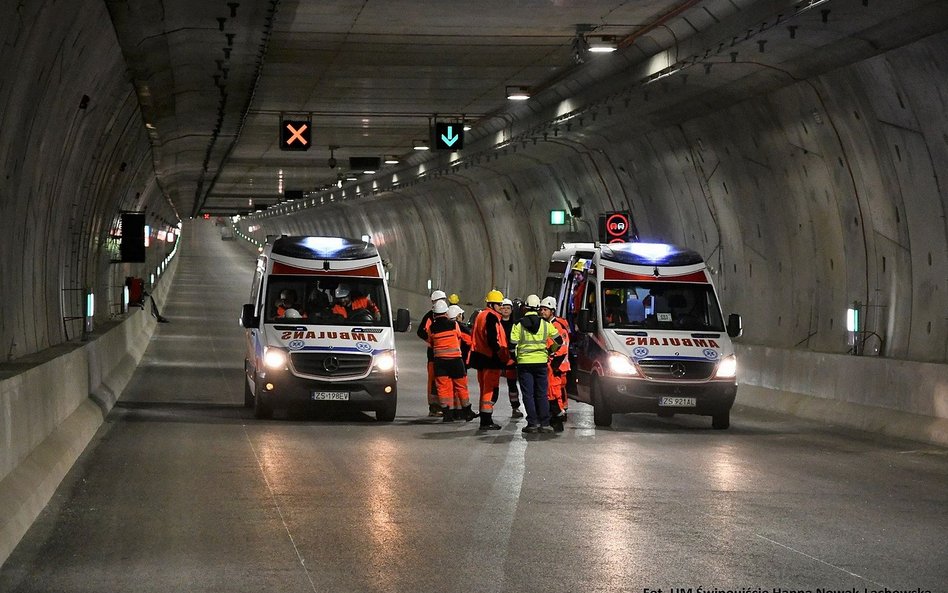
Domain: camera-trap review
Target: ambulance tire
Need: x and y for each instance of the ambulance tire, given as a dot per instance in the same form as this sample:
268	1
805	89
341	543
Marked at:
248	394
386	413
602	415
261	409
721	421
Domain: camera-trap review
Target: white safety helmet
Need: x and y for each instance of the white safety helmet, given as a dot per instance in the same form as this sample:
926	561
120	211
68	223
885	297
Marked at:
549	303
507	302
341	292
292	314
454	311
439	307
532	302
438	294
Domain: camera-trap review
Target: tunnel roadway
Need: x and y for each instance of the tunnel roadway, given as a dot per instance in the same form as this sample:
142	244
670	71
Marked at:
183	490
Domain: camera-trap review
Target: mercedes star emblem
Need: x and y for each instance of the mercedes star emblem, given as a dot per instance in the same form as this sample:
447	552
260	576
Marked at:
331	364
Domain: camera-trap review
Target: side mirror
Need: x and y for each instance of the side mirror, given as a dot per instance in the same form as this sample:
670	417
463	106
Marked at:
402	320
585	322
734	325
247	318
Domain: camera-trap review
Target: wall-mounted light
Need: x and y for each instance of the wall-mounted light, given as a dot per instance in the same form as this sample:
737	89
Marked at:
518	93
420	145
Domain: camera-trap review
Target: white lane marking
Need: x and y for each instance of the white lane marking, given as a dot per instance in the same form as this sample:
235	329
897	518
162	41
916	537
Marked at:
821	561
279	510
500	508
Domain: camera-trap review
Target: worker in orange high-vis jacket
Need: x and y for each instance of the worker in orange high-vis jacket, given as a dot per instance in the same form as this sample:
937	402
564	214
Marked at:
558	366
457	314
445	337
434	408
489	355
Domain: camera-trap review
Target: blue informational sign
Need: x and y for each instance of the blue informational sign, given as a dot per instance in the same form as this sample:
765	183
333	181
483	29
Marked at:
449	136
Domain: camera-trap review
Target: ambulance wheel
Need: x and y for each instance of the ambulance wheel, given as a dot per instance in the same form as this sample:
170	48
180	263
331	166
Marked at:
261	409
386	413
721	421
248	394
602	415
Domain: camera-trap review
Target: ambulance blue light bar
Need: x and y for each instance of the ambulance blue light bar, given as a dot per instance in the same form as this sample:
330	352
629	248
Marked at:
323	248
650	254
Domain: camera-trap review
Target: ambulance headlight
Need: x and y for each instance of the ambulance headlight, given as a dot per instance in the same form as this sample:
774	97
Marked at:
385	361
619	364
727	368
274	358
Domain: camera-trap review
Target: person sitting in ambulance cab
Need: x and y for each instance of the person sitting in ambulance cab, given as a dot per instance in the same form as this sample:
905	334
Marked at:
345	305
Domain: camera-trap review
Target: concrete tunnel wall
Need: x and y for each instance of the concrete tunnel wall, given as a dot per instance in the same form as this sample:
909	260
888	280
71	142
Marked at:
803	201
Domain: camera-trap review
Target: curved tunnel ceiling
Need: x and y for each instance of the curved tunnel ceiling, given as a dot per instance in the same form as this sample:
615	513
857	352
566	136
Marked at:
214	79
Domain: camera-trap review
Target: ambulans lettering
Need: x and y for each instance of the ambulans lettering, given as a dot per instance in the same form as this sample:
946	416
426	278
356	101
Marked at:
310	335
671	342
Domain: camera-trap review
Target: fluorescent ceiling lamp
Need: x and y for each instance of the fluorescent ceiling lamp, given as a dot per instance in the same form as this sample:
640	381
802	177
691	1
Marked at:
351	177
368	172
420	145
391	160
518	93
467	127
602	45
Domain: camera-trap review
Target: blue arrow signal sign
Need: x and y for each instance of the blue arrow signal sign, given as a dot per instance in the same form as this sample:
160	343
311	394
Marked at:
449	136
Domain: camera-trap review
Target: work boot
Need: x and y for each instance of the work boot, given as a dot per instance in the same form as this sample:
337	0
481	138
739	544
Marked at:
467	414
447	414
516	413
557	423
434	410
487	422
530	429
546	429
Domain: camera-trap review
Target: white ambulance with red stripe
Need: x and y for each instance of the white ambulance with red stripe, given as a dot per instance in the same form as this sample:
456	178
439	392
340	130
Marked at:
319	328
647	332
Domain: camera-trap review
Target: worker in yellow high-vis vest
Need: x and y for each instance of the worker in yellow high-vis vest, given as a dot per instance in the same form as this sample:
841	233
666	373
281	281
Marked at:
532	341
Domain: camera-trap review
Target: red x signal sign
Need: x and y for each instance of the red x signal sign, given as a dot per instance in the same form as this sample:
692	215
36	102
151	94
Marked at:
295	135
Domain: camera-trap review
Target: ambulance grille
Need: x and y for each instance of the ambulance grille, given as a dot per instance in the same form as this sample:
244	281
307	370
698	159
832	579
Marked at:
677	370
330	364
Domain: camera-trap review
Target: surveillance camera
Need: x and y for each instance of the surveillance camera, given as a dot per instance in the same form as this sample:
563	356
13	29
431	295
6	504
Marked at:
332	162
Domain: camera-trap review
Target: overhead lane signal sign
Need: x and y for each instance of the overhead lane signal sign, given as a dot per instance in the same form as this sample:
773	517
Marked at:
449	136
295	135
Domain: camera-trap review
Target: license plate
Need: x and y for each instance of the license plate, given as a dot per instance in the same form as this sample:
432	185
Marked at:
678	402
334	396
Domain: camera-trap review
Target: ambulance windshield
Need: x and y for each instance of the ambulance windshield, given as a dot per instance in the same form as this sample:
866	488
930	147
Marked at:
660	305
326	300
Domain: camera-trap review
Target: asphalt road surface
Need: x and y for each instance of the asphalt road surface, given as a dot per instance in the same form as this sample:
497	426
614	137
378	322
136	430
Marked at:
183	490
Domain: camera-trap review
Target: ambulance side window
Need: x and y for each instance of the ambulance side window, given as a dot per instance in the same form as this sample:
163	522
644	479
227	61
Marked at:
591	301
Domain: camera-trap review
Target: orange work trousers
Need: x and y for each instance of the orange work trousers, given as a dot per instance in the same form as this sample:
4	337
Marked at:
431	392
489	382
556	387
452	392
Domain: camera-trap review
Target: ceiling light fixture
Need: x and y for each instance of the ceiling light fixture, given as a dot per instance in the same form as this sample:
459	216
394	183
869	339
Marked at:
602	45
420	145
518	93
391	160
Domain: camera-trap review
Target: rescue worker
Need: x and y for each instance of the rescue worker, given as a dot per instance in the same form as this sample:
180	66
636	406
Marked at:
558	367
286	301
579	290
434	408
510	373
345	305
445	338
457	314
534	339
489	355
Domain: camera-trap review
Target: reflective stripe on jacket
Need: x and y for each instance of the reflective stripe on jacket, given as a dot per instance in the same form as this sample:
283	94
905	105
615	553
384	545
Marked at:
444	335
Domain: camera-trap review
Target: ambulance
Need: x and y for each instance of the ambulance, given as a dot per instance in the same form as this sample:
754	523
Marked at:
319	329
647	331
